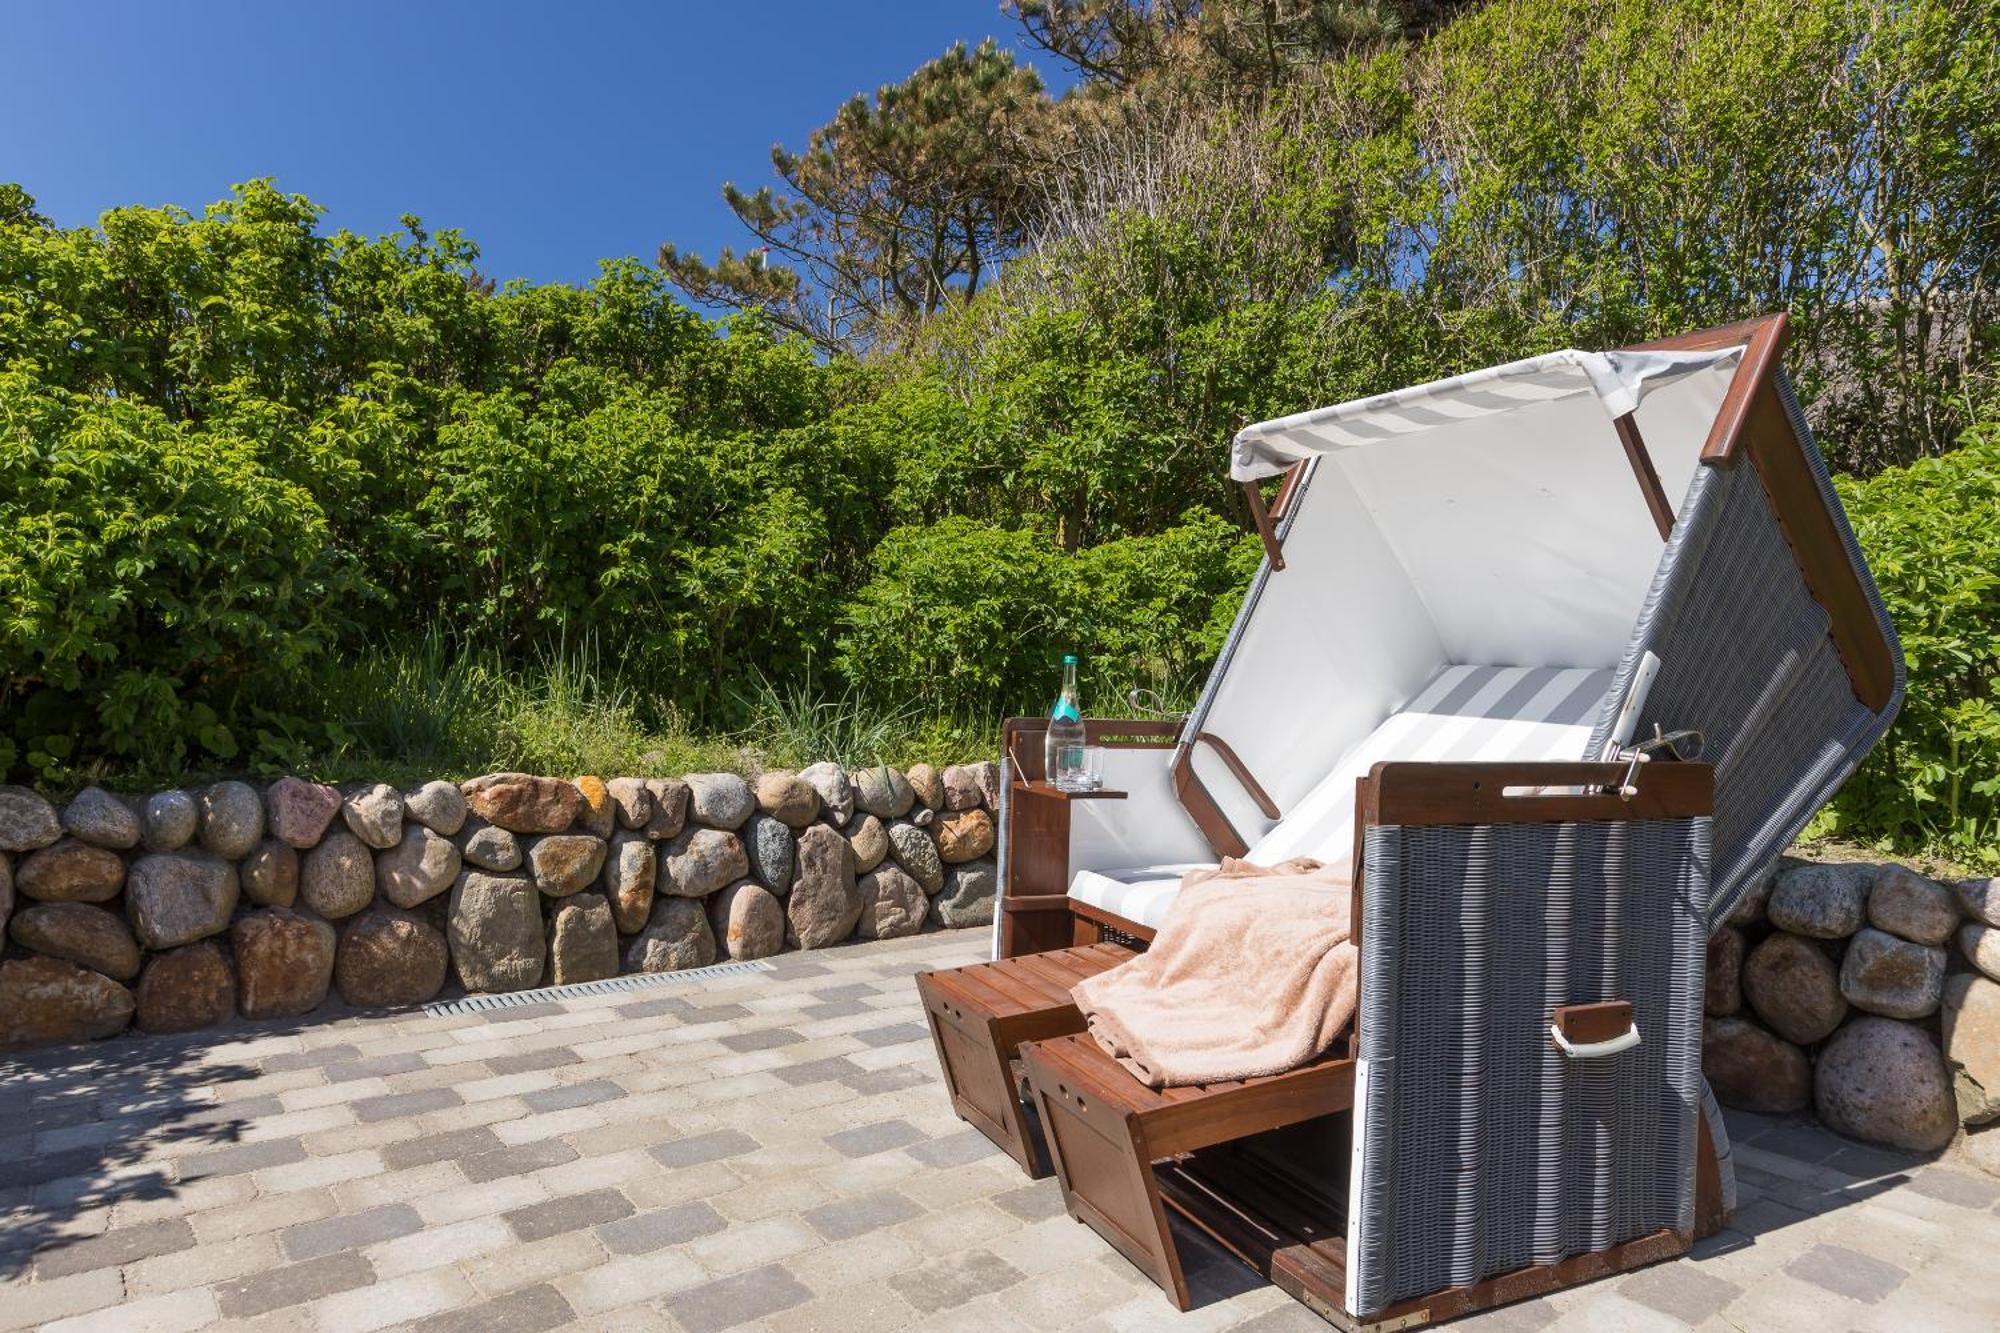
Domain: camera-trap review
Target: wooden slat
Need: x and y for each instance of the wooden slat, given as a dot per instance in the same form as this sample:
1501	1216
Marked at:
1646	474
1420	793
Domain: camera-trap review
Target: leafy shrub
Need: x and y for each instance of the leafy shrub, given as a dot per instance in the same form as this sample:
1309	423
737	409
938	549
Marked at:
152	571
1931	532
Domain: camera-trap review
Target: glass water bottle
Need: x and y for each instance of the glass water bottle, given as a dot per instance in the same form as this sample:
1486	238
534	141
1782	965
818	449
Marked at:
1063	756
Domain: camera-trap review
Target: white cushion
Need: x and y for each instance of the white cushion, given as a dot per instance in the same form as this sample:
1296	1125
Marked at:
1138	893
1465	714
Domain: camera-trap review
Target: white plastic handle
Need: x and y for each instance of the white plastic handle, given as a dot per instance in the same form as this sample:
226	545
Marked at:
1591	1050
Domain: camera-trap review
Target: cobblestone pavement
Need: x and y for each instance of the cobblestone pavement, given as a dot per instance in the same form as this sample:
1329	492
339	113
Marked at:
770	1151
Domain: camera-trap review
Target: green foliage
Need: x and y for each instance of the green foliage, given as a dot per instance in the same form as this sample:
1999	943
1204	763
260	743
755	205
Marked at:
1930	534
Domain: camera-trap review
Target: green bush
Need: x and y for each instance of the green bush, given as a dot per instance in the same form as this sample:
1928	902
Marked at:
1931	532
152	573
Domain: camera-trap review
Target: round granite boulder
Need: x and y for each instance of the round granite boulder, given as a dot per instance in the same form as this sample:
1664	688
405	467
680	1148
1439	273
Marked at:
337	878
1972	1044
1754	1070
917	852
787	798
1794	988
719	800
1884	1081
965	836
629	879
439	806
701	861
882	791
870	842
389	958
926	783
495	927
967	896
522	803
583	941
1980	899
836	793
772	846
565	863
824	903
630	801
27	821
961	787
175	898
80	933
284	962
373	812
270	874
892	904
486	847
1980	944
232	819
97	817
596	815
418	868
668	815
167	821
50	1000
298	812
677	936
186	989
1826	902
1911	907
1892	977
748	920
71	871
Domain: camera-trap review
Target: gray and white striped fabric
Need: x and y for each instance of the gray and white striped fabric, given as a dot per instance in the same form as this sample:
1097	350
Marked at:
1482	1148
1465	713
1619	379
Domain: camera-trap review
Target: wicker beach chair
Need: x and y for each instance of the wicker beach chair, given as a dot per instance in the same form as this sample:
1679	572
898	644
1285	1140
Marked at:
1499	618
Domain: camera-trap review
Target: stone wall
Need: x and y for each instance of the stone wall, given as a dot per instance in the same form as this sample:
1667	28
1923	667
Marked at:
180	909
1867	992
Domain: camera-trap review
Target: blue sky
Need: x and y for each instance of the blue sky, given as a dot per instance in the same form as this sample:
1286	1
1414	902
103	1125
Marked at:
553	133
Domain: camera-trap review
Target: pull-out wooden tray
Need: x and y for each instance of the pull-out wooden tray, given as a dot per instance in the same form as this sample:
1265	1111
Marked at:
980	1015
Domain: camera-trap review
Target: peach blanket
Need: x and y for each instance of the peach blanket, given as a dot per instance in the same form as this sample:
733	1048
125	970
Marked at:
1253	972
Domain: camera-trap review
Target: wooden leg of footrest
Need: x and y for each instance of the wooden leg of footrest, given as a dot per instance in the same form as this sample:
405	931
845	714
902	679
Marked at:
1106	1173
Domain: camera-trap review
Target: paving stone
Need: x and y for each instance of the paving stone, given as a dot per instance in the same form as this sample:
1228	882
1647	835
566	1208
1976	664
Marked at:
762	1039
530	1310
879	1137
571	1212
294	1284
172	1312
350	1231
657	1228
573	1094
532	1156
397	1105
894	1035
946	1283
960	1149
450	1146
711	1147
1847	1273
317	1058
848	1218
1032	1203
836	1009
827	1070
715	1306
1967	1191
122	1246
1683	1292
241	1157
28	1305
549	1057
375	1066
877	1082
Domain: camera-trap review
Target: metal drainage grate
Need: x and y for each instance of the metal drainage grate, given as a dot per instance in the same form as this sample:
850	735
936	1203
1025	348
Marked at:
479	1004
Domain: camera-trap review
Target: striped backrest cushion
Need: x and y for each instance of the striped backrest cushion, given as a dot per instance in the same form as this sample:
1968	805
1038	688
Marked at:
1465	714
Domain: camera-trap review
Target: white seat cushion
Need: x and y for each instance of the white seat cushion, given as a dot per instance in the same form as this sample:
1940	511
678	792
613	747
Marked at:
1465	713
1137	893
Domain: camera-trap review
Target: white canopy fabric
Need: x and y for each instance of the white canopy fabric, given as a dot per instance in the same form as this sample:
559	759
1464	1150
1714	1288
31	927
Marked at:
1619	380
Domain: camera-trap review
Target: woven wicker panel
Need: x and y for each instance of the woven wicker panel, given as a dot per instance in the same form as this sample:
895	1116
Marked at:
1484	1149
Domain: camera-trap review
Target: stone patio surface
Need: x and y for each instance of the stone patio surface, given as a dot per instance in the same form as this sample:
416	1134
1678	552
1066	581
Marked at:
771	1152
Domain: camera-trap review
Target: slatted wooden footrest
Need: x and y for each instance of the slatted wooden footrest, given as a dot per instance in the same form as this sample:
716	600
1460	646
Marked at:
980	1015
1106	1132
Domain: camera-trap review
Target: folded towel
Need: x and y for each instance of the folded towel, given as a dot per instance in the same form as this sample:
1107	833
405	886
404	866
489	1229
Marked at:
1253	972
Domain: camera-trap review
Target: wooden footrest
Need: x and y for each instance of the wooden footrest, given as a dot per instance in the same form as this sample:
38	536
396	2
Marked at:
980	1015
1106	1131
